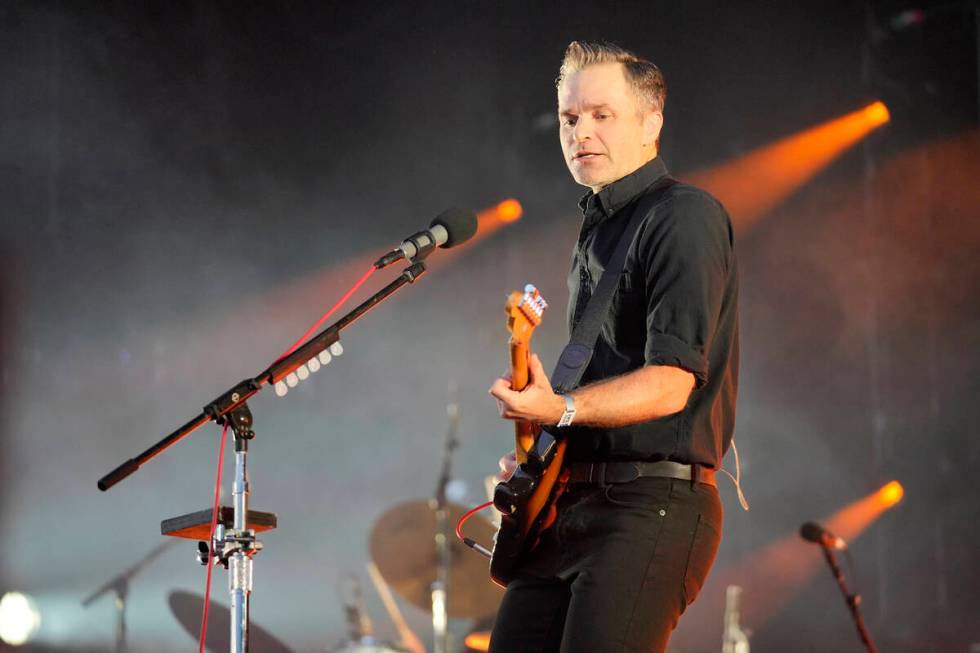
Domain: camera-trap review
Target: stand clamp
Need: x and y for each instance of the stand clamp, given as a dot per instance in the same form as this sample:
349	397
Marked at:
226	543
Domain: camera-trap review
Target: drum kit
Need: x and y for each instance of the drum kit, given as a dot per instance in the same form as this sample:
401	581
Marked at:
413	553
405	560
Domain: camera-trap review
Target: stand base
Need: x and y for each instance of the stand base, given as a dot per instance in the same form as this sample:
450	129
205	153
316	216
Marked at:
197	525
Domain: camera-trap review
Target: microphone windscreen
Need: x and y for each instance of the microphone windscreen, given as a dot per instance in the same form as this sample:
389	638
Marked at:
812	532
460	224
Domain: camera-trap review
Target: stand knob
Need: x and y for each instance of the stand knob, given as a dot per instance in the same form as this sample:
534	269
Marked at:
203	553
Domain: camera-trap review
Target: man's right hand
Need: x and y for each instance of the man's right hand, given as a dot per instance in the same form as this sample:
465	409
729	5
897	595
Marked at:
507	463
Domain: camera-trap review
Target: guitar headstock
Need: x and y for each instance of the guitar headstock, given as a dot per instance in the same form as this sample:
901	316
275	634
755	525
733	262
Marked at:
524	311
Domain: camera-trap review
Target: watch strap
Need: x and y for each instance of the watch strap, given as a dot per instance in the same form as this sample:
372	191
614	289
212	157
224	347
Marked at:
569	414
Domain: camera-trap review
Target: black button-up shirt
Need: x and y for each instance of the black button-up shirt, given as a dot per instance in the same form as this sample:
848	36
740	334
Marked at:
676	304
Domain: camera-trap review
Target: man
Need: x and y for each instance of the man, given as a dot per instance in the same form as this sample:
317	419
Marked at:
635	537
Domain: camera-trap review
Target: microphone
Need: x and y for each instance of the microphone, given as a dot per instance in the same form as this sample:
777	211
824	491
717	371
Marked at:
450	228
814	532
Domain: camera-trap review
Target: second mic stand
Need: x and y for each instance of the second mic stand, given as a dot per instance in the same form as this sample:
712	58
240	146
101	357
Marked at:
119	585
853	600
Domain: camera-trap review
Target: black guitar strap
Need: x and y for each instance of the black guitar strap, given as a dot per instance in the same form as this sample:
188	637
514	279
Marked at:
577	353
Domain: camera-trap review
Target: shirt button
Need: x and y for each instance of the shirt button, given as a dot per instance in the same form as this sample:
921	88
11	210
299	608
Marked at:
663	513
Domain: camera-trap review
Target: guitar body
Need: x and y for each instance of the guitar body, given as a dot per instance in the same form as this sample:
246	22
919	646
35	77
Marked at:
533	513
526	501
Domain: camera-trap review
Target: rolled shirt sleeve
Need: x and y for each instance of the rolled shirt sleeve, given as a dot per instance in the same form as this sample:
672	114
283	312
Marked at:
686	253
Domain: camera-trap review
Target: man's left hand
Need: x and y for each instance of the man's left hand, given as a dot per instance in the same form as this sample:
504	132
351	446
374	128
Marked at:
536	403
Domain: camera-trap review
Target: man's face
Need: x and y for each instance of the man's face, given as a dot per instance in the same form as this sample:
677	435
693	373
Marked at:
605	132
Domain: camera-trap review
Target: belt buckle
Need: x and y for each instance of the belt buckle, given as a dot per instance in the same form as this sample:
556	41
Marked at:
636	472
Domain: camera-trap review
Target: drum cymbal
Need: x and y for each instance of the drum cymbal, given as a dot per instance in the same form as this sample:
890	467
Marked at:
187	608
403	548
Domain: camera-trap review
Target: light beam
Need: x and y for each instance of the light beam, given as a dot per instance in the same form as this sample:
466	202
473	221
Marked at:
752	185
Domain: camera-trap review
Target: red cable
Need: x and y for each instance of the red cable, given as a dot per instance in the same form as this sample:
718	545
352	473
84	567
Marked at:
326	315
467	515
214	524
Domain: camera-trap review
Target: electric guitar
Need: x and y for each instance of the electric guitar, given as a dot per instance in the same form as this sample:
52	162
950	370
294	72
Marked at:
526	500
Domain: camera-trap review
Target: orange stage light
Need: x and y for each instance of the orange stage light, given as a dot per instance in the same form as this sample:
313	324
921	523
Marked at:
850	521
494	217
510	210
752	185
877	113
891	494
478	641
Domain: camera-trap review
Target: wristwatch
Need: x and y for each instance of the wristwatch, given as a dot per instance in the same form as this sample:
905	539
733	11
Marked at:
569	414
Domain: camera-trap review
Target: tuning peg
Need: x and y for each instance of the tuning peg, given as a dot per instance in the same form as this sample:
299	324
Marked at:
302	372
281	388
313	364
336	348
292	380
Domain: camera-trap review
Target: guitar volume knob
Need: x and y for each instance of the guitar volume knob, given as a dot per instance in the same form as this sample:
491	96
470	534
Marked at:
504	499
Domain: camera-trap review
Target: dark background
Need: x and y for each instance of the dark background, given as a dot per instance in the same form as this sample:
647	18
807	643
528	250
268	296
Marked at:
187	186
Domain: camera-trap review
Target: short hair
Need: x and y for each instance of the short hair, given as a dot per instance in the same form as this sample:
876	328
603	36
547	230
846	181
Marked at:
645	78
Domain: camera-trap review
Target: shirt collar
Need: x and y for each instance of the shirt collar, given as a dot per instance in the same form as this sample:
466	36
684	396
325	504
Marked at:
596	207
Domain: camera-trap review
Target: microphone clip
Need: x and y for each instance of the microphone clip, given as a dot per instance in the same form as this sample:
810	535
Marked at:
389	258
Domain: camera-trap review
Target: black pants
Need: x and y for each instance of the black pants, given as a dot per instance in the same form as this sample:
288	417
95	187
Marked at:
615	572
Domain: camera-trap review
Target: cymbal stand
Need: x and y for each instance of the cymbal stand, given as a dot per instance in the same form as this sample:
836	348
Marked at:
440	587
119	585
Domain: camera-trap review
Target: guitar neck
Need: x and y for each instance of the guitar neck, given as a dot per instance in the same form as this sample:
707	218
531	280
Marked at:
524	432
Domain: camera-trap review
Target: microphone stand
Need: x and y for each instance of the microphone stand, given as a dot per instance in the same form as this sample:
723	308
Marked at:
119	585
440	587
237	546
853	600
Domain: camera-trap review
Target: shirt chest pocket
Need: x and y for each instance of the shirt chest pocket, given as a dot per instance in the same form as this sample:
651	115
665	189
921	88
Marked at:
628	311
629	291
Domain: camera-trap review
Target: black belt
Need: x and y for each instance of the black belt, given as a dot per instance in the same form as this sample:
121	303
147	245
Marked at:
624	472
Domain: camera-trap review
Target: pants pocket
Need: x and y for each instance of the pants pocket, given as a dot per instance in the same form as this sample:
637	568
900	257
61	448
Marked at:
651	493
704	546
